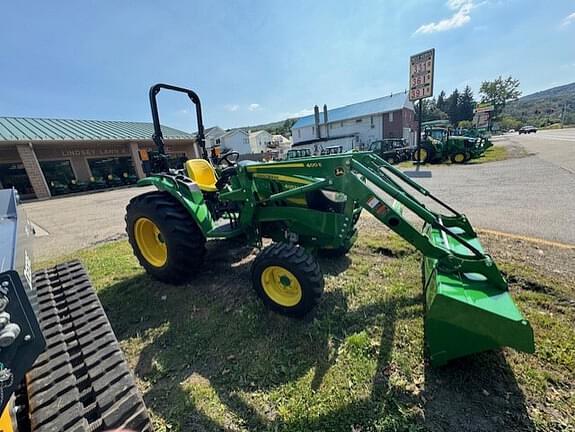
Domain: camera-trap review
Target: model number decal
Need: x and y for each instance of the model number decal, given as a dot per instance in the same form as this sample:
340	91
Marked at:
313	165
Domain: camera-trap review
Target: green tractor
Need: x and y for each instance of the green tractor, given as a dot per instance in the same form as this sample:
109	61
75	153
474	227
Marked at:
440	144
298	153
308	206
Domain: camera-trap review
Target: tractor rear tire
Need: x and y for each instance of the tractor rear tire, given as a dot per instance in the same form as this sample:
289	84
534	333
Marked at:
288	279
176	252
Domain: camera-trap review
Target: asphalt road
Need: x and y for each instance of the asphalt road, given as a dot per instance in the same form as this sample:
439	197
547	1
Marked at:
531	196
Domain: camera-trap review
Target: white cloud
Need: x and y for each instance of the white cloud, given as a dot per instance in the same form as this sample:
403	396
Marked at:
569	19
254	107
231	107
304	112
461	16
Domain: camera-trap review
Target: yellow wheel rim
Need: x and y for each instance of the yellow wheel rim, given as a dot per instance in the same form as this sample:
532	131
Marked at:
422	155
281	286
150	242
459	157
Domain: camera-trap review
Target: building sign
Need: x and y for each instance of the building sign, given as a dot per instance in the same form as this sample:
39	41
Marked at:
421	75
98	151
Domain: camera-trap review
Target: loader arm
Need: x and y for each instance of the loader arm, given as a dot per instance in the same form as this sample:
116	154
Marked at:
468	305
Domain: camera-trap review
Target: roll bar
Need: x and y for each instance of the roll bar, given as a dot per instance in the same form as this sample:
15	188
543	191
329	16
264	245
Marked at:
158	137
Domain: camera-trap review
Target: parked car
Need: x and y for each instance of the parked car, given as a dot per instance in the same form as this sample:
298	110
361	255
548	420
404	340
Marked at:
511	131
527	130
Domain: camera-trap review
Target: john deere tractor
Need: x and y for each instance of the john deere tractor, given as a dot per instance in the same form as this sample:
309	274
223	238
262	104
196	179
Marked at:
440	144
308	206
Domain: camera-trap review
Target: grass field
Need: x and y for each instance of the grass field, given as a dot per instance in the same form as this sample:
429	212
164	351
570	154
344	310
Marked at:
208	356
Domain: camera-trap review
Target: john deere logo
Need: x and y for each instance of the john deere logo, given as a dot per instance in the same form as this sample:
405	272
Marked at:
339	171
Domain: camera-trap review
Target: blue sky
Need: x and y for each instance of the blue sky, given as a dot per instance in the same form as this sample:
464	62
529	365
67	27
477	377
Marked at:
258	61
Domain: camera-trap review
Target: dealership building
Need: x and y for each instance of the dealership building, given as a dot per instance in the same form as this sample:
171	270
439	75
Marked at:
45	157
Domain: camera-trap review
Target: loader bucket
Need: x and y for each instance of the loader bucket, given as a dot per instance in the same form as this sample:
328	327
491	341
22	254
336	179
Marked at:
466	313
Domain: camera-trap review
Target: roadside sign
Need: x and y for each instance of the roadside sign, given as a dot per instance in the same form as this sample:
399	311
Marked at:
421	75
484	107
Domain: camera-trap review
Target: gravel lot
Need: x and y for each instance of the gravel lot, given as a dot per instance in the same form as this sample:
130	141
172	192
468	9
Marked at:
531	196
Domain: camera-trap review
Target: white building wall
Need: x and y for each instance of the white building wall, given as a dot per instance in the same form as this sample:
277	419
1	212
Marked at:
259	141
238	141
367	129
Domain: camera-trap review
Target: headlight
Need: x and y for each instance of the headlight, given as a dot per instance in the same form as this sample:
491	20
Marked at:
337	197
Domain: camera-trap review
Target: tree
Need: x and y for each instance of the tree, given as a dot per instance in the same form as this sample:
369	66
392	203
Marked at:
453	107
499	91
466	104
441	101
430	111
465	124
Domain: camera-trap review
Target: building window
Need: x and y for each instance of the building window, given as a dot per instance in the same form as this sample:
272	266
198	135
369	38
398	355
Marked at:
299	133
13	175
371	120
313	130
177	160
390	117
358	120
58	175
114	171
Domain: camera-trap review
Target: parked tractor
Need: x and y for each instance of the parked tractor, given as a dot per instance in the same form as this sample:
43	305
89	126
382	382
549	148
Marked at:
331	150
308	206
392	150
440	144
298	153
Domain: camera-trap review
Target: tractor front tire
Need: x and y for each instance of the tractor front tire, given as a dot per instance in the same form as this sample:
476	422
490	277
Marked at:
425	154
459	157
288	279
164	237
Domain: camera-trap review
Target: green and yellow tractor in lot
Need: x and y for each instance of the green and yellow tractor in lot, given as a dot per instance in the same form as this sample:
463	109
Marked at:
440	144
308	206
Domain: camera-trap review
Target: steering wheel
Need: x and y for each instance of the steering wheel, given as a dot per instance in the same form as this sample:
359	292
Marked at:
230	158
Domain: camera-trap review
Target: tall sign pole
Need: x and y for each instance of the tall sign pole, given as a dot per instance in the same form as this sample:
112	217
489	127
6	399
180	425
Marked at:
421	70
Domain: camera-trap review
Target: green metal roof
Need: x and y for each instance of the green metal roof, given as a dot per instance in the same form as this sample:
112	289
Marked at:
42	129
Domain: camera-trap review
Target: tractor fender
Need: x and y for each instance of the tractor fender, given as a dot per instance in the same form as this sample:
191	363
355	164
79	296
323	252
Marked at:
188	194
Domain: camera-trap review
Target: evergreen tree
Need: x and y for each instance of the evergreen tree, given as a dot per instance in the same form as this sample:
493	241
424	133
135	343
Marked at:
452	103
466	104
441	104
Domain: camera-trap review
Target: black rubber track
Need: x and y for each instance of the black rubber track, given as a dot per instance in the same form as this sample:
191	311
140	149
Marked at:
299	262
185	242
82	381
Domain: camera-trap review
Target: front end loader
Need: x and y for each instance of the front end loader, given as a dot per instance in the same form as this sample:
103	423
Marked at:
311	205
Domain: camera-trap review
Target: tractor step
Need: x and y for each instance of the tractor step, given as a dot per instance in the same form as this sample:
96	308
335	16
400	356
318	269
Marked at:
465	312
223	229
82	381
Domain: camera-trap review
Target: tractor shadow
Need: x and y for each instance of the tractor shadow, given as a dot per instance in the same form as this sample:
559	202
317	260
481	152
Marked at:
476	393
213	342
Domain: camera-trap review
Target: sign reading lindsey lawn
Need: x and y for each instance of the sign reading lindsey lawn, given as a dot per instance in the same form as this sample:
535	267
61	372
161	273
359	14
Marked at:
421	75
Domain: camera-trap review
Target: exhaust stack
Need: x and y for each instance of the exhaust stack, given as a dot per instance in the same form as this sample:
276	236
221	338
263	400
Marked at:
325	120
316	116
